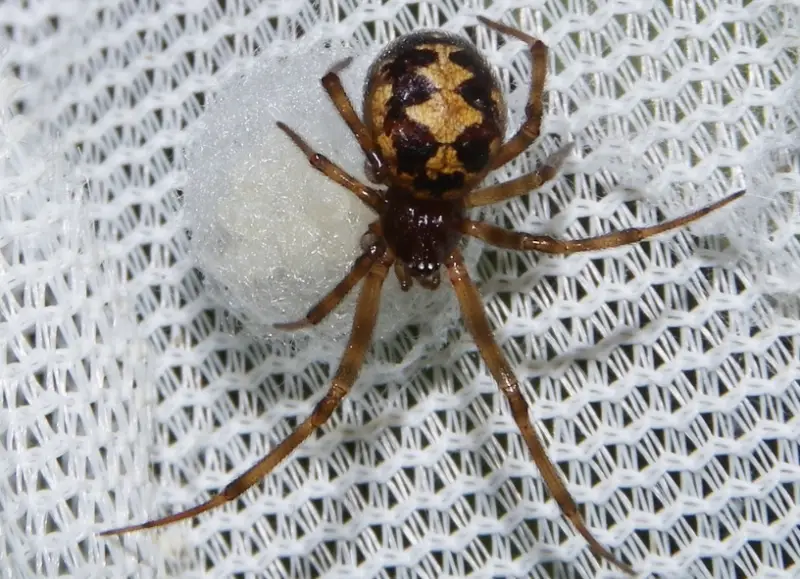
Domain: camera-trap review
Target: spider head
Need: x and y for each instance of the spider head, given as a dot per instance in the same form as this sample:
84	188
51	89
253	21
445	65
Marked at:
436	114
421	232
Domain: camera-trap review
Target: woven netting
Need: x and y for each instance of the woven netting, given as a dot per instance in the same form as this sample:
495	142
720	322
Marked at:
663	377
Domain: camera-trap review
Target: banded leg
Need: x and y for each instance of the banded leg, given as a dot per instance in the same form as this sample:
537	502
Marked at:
333	85
478	325
363	326
321	163
506	239
534	110
328	303
520	185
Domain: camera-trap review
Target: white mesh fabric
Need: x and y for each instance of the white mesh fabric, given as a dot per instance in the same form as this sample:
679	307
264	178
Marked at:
663	377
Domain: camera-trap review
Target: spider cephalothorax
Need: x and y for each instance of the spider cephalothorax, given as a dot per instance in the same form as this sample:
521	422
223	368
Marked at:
434	119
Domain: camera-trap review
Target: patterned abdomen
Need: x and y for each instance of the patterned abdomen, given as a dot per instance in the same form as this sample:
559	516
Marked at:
436	113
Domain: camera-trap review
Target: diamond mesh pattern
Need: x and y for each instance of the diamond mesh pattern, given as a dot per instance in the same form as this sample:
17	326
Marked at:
664	377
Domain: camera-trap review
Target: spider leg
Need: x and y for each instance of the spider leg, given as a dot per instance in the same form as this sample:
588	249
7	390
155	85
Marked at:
534	110
333	85
478	325
363	324
506	239
334	297
520	185
403	275
321	163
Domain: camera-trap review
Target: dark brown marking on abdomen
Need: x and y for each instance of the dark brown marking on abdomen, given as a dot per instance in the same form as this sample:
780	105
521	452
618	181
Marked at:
407	91
414	146
440	184
407	61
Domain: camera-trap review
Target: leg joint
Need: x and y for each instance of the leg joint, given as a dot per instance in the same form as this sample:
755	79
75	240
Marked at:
318	160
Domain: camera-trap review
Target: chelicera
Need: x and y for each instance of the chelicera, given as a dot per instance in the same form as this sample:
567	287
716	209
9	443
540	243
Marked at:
433	128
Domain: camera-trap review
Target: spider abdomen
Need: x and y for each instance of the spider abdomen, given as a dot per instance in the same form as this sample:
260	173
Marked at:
436	113
420	232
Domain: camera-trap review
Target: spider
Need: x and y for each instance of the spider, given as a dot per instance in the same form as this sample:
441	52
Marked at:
433	129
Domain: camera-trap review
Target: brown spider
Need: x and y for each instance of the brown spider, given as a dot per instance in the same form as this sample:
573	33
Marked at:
434	121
